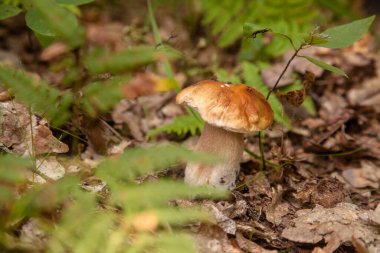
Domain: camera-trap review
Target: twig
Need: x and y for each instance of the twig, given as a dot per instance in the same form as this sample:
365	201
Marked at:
296	51
284	70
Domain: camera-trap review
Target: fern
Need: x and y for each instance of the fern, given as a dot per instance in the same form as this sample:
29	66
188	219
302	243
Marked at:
102	60
138	161
43	99
101	96
227	17
84	227
181	125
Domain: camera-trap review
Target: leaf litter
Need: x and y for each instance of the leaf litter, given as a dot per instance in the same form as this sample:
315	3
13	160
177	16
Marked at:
321	189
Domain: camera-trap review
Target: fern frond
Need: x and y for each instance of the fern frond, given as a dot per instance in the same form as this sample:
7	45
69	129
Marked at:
146	196
102	60
226	18
77	231
138	161
163	243
181	125
43	99
101	96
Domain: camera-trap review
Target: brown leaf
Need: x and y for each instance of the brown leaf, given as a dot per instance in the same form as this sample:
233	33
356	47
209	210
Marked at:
212	239
16	132
106	35
335	226
45	142
368	175
54	51
297	97
249	246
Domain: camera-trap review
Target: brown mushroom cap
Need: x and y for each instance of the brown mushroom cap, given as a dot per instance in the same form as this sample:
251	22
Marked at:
235	107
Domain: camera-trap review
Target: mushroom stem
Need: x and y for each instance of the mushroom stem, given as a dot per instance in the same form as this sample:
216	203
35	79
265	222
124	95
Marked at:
225	144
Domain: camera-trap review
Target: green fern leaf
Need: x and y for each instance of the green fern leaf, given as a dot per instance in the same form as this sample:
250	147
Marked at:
226	18
102	96
181	125
139	161
43	99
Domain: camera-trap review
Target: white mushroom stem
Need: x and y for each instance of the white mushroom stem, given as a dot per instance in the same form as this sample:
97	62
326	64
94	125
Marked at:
222	143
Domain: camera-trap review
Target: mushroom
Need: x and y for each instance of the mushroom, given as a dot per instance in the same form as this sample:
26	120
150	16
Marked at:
229	112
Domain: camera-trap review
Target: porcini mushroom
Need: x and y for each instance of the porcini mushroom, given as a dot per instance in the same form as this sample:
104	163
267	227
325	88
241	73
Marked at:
229	112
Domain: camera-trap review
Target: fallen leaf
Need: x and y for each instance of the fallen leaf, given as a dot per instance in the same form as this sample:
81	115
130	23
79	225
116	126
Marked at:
50	168
106	35
223	221
54	51
212	239
249	246
17	127
340	223
368	175
147	83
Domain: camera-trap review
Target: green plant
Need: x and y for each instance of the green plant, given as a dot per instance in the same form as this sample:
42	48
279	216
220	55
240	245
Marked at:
337	37
128	215
227	17
89	222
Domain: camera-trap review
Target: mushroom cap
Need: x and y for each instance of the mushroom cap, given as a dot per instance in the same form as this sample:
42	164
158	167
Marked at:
234	107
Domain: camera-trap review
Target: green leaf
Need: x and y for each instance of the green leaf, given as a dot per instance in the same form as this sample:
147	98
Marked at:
315	39
45	40
101	96
325	66
49	19
100	60
181	125
345	35
13	169
136	162
73	2
36	22
43	99
252	78
146	196
251	30
7	11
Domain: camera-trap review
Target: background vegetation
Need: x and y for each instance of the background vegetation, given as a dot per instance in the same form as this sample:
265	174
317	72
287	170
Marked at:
131	214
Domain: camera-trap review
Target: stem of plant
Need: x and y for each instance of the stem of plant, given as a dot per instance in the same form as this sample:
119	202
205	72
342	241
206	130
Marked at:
284	70
261	145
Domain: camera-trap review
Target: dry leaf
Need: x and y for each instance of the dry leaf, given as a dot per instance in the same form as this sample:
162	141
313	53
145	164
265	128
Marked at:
54	51
368	175
212	239
249	246
223	221
50	168
16	132
335	226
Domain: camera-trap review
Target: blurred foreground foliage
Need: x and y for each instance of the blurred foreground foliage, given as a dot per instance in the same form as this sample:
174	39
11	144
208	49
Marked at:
125	217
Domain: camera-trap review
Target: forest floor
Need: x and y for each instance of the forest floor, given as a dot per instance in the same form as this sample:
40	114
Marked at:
320	189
